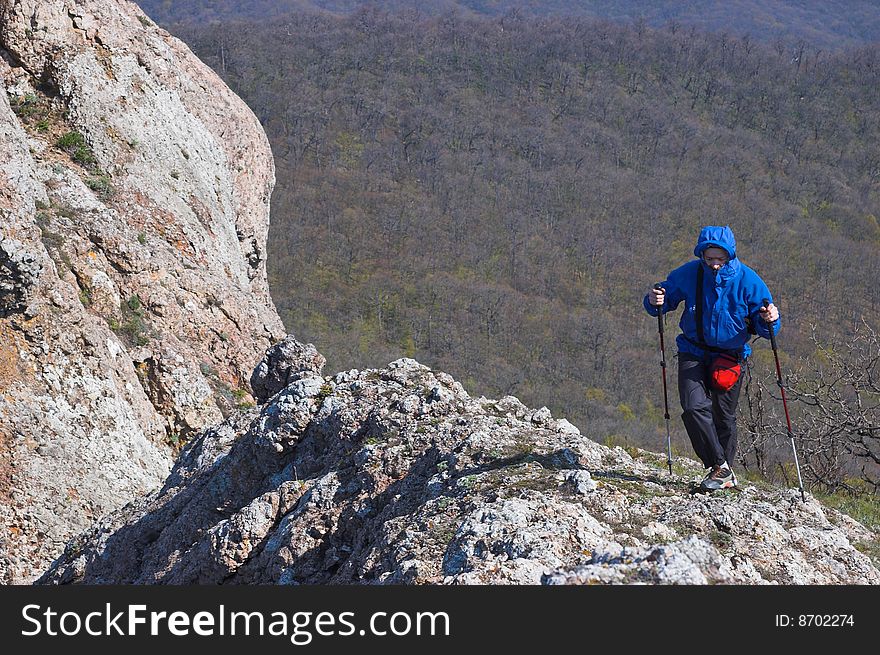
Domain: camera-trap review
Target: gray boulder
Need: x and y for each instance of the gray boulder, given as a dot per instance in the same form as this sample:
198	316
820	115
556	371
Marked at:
283	363
19	272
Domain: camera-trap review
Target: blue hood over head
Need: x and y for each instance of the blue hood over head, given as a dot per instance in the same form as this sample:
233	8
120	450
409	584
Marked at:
719	237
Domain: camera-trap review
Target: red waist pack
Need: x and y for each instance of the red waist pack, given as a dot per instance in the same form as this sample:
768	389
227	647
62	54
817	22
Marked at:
724	372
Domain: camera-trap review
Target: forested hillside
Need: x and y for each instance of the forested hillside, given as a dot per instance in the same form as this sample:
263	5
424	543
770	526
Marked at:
827	24
494	196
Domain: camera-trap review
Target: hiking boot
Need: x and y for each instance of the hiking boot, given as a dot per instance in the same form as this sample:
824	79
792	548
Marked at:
720	477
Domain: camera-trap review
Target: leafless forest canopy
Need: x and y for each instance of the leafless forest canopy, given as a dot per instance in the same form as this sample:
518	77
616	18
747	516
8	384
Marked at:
827	24
493	195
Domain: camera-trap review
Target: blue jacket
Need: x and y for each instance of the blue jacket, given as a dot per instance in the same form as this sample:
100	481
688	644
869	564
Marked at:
729	297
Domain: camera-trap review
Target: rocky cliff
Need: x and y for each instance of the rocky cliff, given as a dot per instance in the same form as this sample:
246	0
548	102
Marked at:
397	475
134	194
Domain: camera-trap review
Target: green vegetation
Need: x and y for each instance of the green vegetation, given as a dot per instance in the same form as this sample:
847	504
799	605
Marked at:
871	549
28	108
52	240
71	140
131	327
861	504
722	540
74	144
616	440
325	391
229	399
173	439
54	243
242	399
35	112
101	185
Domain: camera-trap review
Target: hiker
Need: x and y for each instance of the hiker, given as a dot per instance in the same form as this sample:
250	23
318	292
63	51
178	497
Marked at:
713	344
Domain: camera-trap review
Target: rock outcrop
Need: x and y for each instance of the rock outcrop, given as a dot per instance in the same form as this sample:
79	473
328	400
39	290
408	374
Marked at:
134	195
397	475
284	363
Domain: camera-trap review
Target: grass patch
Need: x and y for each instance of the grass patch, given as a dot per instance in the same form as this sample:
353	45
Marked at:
54	243
541	483
101	185
636	490
228	398
871	549
658	460
173	439
26	107
325	391
860	504
682	470
721	540
34	111
74	144
50	239
131	327
755	478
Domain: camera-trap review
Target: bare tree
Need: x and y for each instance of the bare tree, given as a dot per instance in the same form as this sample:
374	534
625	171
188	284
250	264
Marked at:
836	397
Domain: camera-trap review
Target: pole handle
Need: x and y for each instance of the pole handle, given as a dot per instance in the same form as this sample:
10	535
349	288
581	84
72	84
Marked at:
766	303
659	311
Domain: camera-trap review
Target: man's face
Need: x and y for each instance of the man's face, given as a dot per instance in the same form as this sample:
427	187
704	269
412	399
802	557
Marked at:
715	258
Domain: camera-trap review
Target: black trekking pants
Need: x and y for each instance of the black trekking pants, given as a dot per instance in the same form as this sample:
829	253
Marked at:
709	415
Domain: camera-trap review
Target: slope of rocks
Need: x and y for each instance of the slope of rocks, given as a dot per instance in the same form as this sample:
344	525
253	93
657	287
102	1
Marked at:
397	475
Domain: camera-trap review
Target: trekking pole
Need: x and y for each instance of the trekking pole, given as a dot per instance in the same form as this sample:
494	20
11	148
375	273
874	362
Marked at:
797	466
665	399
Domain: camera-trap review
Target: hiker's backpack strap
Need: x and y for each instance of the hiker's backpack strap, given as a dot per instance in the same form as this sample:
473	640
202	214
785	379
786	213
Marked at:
701	337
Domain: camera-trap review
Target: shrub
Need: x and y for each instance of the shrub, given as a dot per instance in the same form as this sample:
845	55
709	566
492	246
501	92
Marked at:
132	328
74	144
101	185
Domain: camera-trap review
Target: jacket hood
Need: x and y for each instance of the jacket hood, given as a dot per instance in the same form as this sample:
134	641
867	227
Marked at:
719	237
